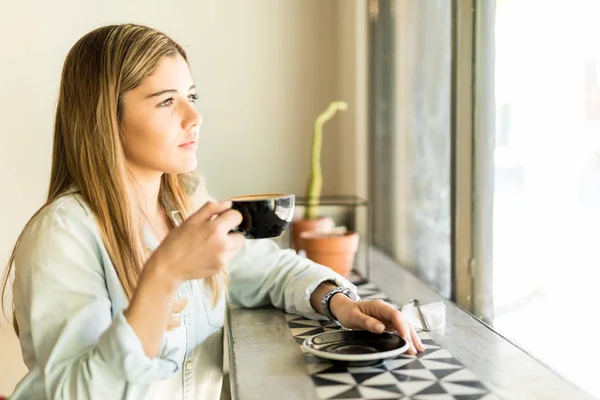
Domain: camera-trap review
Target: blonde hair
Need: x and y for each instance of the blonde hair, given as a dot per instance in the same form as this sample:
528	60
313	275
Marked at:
88	154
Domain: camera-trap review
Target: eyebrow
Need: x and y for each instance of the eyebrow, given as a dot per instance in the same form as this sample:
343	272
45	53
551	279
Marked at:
167	91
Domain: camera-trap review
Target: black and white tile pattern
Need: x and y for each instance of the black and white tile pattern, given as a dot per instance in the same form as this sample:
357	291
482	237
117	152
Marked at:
432	375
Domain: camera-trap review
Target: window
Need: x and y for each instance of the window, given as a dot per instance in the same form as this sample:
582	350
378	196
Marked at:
410	110
530	70
546	222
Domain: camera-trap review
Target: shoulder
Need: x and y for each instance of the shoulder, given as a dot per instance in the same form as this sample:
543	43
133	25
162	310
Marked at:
66	220
60	252
69	209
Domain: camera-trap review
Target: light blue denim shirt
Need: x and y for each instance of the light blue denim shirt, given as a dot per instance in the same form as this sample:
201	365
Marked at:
78	345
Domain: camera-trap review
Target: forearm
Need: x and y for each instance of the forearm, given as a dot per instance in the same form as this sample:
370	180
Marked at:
264	274
151	306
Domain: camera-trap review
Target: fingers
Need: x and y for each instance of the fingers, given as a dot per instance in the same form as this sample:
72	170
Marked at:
236	241
416	339
228	220
385	312
398	322
221	215
371	324
225	259
404	329
209	210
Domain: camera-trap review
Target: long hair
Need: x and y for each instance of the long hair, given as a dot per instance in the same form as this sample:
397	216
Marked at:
88	153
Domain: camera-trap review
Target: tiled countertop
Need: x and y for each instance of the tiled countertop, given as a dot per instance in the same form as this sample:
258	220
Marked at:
267	362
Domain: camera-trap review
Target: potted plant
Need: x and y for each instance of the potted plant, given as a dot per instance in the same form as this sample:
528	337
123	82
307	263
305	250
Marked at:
317	235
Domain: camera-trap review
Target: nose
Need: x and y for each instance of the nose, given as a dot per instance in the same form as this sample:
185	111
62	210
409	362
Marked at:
191	117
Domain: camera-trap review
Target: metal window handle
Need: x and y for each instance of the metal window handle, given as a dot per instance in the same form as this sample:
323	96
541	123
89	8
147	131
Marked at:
426	326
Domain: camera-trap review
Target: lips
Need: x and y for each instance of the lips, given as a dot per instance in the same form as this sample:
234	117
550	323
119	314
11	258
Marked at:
191	140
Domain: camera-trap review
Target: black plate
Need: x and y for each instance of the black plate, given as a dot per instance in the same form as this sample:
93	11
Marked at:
355	348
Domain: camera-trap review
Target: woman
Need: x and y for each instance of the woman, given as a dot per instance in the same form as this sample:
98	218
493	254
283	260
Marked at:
114	296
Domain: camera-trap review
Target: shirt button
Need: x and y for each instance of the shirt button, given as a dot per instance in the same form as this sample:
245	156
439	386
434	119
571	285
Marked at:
189	365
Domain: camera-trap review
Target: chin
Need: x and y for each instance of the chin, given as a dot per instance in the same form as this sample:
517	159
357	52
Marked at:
184	168
179	165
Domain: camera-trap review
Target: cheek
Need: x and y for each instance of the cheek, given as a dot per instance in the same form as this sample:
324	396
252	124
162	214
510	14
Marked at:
153	143
148	140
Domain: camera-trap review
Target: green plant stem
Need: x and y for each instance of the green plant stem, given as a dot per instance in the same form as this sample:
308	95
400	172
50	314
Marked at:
315	182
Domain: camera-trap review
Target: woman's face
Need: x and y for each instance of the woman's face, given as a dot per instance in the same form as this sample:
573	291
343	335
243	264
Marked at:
159	124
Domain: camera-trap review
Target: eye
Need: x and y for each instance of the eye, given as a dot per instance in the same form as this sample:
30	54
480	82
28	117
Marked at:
166	103
193	97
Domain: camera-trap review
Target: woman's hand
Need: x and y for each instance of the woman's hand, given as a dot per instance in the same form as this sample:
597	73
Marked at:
201	246
198	248
375	316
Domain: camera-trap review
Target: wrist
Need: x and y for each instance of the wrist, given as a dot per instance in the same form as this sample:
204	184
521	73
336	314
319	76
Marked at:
160	276
338	301
331	301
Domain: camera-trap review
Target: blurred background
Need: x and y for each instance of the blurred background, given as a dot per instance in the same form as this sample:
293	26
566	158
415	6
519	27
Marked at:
472	129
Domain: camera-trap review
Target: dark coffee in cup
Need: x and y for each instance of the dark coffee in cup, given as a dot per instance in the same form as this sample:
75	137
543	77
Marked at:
264	215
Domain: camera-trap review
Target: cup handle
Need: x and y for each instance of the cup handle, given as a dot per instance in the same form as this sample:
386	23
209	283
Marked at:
176	218
237	230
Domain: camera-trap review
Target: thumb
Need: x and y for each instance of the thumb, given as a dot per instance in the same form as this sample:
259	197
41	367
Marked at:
209	210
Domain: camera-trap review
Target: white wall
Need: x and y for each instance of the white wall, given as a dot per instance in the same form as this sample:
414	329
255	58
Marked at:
264	70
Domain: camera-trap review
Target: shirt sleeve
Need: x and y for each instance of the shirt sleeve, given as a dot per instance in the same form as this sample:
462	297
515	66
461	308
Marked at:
263	274
64	312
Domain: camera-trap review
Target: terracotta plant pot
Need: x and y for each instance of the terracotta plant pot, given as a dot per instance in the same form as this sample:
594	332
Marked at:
308	225
335	251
